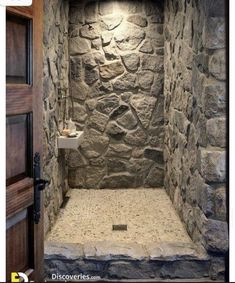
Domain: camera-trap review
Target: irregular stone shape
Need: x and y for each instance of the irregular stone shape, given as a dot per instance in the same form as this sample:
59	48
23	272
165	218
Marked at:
116	165
143	106
137	137
153	63
89	61
130	7
153	7
90	31
111	52
215	234
146	47
77	177
156	36
79	89
94	176
119	150
111	70
145	79
128	37
128	121
91	104
216	131
156	19
213	165
125	82
107	104
93	146
63	251
154	154
78	46
99	57
215	99
76	67
96	43
91	12
78	112
220	203
114	131
108	250
106	7
157	86
110	22
137	20
214	33
98	121
118	180
119	111
155	177
106	37
140	168
175	251
131	61
75	159
217	65
91	75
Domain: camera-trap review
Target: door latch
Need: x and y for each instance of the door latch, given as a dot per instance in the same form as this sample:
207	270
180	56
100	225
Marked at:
39	185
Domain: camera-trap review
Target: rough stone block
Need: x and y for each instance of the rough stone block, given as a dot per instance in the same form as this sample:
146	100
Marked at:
155	177
216	131
213	165
137	20
119	150
115	131
98	121
143	106
107	104
78	46
154	154
214	33
128	37
125	82
110	22
131	61
118	180
111	70
136	137
217	65
153	63
93	146
128	121
145	79
90	12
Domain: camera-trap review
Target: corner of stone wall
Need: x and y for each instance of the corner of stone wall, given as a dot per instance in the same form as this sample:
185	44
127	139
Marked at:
195	117
55	84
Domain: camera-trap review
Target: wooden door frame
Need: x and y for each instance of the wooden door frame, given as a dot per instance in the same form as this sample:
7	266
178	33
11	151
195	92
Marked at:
33	94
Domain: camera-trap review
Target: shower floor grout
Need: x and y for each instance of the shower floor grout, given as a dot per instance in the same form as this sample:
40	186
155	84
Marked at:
90	214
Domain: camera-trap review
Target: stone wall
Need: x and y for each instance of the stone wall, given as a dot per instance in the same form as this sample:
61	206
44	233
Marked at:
55	84
195	132
116	82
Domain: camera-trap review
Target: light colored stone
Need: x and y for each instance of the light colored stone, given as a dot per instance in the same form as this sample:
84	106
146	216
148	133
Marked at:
111	70
94	176
143	106
75	159
115	131
125	82
118	180
217	65
213	165
128	121
111	52
107	104
137	20
128	37
216	131
98	121
79	89
106	7
145	79
131	61
93	146
146	47
136	137
78	113
110	22
78	46
153	63
106	37
90	31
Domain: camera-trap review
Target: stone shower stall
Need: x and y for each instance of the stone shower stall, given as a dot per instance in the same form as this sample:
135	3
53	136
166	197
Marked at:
146	82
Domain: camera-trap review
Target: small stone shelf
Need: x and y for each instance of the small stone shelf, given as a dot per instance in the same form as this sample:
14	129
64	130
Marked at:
72	143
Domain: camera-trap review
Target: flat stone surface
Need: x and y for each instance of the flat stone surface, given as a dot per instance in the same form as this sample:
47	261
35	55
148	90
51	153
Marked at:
90	214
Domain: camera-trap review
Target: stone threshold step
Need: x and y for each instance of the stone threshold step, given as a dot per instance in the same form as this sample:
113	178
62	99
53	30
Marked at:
112	260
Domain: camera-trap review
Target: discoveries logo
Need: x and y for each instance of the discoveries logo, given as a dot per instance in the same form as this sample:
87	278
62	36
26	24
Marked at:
19	277
15	2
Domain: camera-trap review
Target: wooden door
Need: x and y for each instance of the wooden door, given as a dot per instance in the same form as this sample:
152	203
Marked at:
24	238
